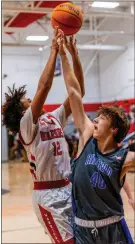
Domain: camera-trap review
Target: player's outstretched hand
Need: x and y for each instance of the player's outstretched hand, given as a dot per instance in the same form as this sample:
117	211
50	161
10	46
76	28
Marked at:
61	44
71	44
56	36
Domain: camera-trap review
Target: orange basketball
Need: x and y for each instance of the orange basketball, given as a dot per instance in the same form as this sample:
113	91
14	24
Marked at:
68	17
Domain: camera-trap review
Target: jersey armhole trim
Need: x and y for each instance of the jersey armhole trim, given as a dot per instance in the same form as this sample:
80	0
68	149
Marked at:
122	181
83	148
23	142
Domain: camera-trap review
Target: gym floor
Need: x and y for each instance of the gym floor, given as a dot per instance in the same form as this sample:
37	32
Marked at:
19	223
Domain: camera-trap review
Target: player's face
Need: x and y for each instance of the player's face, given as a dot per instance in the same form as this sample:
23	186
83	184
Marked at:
26	102
102	127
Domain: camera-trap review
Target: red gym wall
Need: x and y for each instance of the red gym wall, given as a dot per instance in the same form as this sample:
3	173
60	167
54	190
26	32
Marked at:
93	107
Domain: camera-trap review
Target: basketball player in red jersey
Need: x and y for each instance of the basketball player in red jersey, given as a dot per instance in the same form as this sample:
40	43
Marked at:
43	138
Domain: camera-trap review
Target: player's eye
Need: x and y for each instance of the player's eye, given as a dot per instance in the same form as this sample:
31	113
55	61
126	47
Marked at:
102	117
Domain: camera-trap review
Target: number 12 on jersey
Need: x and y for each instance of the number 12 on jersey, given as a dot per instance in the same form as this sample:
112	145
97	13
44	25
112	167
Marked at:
57	151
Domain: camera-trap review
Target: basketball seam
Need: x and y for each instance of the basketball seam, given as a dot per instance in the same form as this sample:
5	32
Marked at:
66	25
69	13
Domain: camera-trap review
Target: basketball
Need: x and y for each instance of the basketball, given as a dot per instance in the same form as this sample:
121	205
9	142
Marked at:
68	17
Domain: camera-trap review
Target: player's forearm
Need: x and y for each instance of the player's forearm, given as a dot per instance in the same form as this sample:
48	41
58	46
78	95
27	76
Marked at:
129	164
127	190
69	76
46	78
78	71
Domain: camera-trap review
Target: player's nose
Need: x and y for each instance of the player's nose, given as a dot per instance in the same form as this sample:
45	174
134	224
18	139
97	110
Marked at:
29	100
95	121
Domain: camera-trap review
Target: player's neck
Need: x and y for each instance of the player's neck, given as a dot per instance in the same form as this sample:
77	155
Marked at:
107	145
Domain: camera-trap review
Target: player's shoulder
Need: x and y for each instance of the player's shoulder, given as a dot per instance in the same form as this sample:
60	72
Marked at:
46	115
27	119
123	151
130	156
92	141
27	114
48	119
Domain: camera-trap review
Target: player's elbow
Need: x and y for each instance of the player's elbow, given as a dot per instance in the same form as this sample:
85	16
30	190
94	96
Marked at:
74	94
83	92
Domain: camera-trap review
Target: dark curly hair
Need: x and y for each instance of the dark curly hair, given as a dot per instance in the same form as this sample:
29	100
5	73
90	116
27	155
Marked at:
13	107
118	119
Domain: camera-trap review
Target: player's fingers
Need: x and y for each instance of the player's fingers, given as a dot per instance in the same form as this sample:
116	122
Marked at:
61	32
71	39
58	36
61	42
56	30
65	40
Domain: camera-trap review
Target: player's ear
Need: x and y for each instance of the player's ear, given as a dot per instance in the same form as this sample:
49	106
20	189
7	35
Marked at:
23	112
115	131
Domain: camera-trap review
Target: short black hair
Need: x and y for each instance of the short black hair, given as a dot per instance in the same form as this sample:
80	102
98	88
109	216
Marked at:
13	108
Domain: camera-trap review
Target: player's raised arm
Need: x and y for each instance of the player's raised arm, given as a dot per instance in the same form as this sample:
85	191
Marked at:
127	189
71	46
82	122
78	71
129	164
45	81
